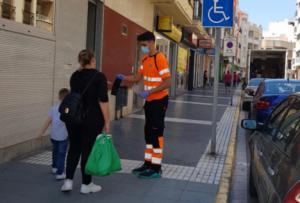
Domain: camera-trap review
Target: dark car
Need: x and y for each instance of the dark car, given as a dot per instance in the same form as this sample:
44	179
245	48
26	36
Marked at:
275	154
269	94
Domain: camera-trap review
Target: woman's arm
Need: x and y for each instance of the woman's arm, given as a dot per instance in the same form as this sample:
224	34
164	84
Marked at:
105	110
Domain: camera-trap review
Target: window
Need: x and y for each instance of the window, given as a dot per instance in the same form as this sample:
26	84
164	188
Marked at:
7	9
282	88
40	15
197	10
28	16
251	34
278	116
289	127
45	14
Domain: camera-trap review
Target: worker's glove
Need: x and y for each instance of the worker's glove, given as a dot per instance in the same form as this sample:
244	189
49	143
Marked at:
120	77
144	94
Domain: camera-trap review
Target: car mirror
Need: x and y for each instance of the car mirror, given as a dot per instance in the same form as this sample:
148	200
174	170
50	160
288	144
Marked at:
249	124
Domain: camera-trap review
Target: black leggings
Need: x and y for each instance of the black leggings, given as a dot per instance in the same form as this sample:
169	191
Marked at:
82	139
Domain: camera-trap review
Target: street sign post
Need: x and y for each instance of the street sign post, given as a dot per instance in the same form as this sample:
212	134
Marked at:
217	14
229	51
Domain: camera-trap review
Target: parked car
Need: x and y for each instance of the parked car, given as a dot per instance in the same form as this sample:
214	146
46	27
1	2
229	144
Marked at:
275	154
269	94
249	92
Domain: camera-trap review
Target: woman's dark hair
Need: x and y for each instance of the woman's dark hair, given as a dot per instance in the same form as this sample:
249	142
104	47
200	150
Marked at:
85	56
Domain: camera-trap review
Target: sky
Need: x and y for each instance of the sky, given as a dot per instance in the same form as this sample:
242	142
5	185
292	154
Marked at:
264	12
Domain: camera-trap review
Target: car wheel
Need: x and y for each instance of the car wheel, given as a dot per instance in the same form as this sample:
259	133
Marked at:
252	188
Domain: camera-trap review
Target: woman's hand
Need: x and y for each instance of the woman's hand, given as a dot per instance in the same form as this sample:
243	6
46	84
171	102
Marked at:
107	128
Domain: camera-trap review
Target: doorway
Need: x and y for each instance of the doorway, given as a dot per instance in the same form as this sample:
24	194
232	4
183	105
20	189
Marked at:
94	30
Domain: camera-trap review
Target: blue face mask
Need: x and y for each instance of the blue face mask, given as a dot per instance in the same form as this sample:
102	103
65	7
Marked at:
145	50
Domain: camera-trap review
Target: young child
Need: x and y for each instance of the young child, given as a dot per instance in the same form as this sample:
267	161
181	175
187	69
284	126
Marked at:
59	137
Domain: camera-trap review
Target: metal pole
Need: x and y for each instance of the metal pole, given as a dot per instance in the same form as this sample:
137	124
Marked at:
232	81
216	91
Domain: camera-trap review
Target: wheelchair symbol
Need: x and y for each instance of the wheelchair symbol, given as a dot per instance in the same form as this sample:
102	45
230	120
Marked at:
217	10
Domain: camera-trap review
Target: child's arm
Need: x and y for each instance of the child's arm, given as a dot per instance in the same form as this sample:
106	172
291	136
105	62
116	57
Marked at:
45	126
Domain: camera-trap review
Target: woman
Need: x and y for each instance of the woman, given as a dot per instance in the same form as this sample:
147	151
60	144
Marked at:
82	136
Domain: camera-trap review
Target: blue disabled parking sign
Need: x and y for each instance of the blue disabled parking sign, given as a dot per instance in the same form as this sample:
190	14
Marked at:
217	13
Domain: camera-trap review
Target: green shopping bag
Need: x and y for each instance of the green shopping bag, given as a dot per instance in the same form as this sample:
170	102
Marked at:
104	158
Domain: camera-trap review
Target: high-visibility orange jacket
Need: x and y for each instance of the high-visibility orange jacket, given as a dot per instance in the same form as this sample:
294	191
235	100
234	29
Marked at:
154	70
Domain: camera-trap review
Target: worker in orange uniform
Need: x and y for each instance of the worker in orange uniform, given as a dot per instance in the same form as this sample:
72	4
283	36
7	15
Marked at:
157	80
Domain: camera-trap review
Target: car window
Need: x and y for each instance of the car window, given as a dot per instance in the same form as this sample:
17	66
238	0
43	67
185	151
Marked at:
282	87
278	115
283	106
290	127
254	82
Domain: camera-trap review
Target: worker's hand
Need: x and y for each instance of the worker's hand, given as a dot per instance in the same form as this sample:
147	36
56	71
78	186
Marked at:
144	94
120	76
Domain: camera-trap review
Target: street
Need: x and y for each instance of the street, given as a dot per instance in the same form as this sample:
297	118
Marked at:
240	181
190	174
200	98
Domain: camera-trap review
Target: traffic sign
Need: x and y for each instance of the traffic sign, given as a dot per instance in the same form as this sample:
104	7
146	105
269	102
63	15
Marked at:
217	13
229	46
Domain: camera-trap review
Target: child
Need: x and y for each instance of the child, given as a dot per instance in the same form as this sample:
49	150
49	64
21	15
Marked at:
59	137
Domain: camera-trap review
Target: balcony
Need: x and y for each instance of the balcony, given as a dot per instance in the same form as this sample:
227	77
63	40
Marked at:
28	17
296	62
181	10
44	22
7	11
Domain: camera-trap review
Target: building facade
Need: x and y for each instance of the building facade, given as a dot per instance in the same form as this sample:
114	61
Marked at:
39	45
40	40
296	53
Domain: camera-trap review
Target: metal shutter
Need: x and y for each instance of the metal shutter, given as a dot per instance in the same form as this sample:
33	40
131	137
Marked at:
26	85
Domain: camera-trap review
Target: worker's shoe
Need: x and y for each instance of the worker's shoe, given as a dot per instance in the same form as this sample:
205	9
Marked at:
150	174
141	169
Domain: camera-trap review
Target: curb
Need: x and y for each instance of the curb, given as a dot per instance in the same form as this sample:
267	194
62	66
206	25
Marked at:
225	182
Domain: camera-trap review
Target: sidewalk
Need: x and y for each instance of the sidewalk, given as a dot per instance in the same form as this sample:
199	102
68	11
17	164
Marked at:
190	173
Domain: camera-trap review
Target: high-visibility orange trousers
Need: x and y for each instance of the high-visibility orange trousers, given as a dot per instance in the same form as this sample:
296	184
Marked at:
155	112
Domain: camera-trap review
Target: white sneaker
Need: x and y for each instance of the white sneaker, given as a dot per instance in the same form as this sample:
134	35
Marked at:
67	186
61	177
91	188
54	170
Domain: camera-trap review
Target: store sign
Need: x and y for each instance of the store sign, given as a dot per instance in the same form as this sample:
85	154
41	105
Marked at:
210	52
193	39
182	60
205	43
175	35
164	24
229	47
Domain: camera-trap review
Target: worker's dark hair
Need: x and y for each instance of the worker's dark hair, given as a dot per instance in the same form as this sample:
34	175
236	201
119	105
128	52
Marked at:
85	56
146	36
63	93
